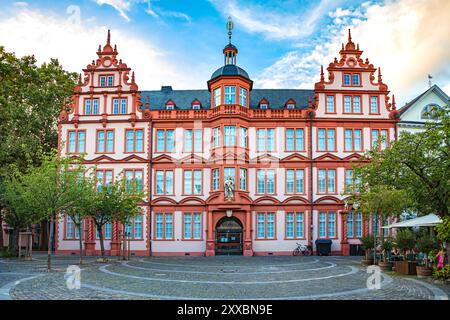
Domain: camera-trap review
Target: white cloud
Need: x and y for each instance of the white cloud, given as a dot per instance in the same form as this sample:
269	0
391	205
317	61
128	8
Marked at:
48	35
120	5
408	39
273	25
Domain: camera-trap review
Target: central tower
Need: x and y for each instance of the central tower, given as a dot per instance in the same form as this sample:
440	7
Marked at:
230	84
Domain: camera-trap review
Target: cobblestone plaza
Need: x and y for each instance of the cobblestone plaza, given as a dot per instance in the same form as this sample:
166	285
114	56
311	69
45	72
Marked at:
217	278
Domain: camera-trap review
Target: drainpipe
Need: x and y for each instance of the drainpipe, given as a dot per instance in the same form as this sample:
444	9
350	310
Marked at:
150	169
311	199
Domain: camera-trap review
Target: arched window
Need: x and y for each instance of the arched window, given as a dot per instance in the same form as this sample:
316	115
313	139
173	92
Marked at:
429	111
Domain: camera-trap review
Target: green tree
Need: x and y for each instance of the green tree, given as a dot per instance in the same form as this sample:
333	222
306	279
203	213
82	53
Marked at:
417	163
114	202
31	97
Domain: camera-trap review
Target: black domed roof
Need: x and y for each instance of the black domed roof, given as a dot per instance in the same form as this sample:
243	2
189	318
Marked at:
230	46
230	70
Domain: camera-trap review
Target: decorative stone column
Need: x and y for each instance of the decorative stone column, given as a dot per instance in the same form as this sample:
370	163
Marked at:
248	250
89	243
115	241
365	226
210	248
345	248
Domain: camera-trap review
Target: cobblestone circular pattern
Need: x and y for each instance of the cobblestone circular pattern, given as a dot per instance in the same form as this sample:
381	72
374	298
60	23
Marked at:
222	277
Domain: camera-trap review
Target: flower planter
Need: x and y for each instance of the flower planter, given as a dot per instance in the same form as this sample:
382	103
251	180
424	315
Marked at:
406	267
367	262
423	271
385	266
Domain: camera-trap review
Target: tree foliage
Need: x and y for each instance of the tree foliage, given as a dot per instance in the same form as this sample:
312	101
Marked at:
417	165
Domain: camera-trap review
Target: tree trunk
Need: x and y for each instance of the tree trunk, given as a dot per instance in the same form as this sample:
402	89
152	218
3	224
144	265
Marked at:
14	241
50	244
1	231
102	245
80	238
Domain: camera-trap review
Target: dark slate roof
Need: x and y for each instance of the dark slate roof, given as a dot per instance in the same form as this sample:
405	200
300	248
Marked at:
277	98
230	70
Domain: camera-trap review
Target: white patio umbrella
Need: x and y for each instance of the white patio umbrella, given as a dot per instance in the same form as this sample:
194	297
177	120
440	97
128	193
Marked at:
430	220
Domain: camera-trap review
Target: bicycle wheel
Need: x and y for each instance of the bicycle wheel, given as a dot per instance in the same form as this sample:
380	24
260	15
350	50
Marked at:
296	252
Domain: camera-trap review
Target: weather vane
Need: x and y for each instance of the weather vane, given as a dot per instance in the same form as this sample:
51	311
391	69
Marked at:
230	28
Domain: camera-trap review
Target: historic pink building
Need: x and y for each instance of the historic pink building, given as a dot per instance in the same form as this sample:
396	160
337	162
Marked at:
288	152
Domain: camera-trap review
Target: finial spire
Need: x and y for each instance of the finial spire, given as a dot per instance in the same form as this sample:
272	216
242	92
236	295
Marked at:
230	28
349	36
379	75
108	40
393	102
322	78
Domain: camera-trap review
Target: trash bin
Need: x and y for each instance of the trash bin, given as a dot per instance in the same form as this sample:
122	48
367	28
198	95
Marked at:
323	247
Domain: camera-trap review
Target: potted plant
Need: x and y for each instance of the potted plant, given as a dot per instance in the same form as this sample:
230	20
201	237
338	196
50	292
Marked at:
386	247
425	244
367	245
405	240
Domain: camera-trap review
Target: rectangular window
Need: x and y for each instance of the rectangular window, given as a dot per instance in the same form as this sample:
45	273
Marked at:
266	225
242	97
217	97
87	107
230	95
379	139
243	179
326	140
294	140
243	140
350	225
188	140
294	180
347	104
353	140
102	81
137	228
164	226
110	81
193	139
266	139
72	231
374	106
192	182
104	178
216	138
134	179
76	141
327	224
358	225
230	136
357	104
352	182
326	181
346	79
120	106
266	181
294	225
352	104
165	141
164	182
356	81
330	108
134	140
215	179
192	226
105	141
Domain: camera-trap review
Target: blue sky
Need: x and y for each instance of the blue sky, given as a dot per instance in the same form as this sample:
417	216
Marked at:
281	43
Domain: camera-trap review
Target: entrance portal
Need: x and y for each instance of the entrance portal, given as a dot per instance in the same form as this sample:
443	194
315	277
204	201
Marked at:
229	236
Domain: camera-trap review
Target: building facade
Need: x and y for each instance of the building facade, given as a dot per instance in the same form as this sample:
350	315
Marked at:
228	169
414	114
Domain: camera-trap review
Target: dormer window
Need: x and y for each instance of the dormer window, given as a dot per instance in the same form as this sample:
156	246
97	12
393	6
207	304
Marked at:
290	104
196	105
170	105
264	106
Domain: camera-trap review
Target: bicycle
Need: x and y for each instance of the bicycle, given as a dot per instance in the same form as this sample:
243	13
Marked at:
305	250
